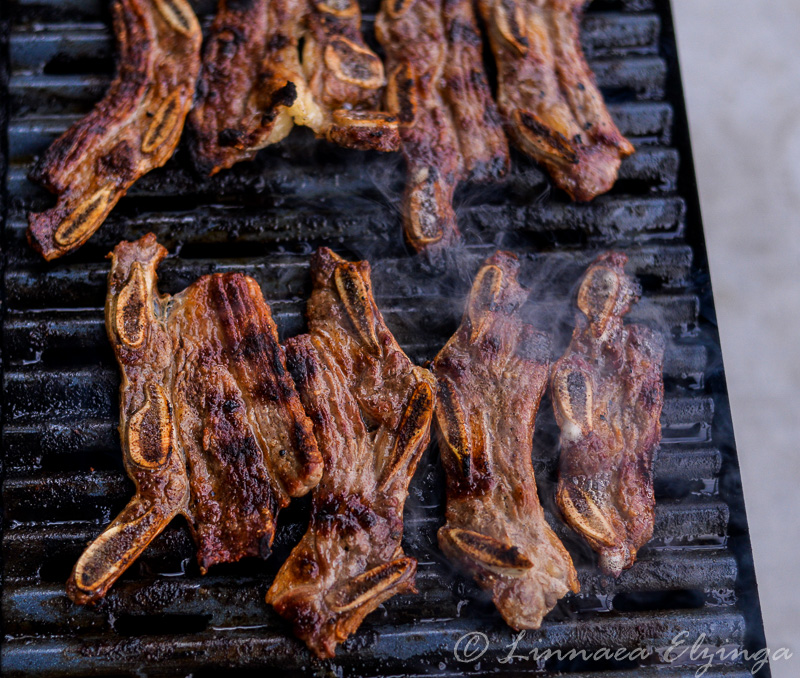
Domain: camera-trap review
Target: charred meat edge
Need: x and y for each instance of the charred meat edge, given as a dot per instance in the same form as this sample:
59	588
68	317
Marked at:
547	94
450	128
271	64
134	129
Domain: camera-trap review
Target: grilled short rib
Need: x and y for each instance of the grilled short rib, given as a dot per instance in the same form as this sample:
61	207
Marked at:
134	129
491	376
608	392
548	96
372	410
449	124
247	86
210	422
256	84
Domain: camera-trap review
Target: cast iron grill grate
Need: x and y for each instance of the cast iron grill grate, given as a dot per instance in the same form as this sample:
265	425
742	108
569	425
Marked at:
62	471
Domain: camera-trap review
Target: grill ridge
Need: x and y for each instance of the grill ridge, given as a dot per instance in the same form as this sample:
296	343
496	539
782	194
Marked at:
62	468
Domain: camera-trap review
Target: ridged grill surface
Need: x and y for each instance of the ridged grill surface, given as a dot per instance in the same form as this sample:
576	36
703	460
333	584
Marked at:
62	469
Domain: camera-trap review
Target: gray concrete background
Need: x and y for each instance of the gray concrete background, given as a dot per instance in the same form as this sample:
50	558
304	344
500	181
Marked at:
741	70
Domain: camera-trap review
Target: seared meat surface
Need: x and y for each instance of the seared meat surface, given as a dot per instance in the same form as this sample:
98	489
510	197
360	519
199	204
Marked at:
449	124
491	376
371	409
346	79
210	422
256	83
548	96
248	85
608	392
134	129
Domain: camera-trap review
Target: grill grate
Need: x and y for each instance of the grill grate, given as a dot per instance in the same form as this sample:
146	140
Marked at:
62	468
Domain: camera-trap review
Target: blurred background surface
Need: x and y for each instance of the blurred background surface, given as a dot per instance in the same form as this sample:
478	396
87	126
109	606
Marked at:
741	72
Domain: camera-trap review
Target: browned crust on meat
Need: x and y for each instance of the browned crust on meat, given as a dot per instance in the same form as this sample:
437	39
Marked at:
211	425
449	124
244	98
134	129
491	376
256	85
248	443
608	392
135	315
547	94
364	131
371	409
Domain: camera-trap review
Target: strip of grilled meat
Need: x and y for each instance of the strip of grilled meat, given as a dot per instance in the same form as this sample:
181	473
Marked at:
210	422
247	87
548	96
372	410
491	376
256	84
134	129
449	124
608	392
